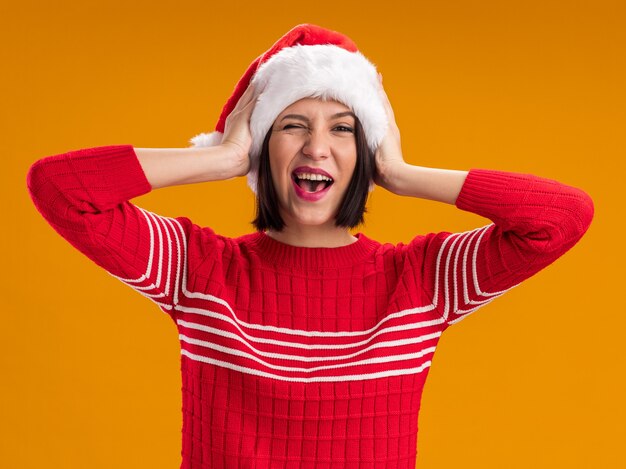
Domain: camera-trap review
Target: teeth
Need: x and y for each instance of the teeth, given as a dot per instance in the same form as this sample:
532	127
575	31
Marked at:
313	177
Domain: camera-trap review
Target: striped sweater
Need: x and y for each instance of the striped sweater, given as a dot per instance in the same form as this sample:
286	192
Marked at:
297	357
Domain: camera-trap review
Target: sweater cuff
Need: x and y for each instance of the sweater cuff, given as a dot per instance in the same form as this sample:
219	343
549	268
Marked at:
479	186
112	174
490	193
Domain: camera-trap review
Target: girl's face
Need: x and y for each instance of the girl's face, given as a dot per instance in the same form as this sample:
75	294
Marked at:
312	155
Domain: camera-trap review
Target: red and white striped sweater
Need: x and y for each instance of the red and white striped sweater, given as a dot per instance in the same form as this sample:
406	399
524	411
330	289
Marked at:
305	357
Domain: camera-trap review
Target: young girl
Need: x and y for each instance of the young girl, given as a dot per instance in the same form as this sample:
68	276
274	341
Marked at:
301	344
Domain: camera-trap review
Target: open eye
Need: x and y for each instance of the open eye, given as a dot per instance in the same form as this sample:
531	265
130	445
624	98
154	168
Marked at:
344	128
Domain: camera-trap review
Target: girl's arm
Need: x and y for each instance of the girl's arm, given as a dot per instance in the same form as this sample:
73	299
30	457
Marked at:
84	195
165	167
395	175
441	185
535	221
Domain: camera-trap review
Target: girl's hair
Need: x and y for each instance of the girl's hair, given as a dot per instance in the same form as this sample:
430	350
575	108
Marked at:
352	207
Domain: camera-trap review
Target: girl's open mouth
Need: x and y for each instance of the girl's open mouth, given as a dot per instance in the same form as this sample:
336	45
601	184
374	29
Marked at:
311	187
312	183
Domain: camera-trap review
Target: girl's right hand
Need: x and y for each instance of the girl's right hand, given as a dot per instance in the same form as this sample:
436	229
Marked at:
237	137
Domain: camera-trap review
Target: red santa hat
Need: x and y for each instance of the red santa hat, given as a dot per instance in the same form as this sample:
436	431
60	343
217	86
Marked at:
308	61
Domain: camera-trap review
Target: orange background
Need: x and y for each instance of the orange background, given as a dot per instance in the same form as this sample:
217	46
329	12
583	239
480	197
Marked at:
90	369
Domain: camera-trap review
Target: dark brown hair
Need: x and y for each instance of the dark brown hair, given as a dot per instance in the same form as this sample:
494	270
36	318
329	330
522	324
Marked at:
352	207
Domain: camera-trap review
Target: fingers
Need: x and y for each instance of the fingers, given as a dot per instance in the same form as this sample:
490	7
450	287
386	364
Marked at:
243	108
246	97
237	125
244	101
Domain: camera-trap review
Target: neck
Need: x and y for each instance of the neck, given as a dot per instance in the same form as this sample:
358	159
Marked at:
313	236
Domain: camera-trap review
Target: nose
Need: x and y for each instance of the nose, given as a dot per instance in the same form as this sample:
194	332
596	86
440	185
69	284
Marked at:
316	146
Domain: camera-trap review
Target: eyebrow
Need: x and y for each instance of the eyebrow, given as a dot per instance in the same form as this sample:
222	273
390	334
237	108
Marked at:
305	119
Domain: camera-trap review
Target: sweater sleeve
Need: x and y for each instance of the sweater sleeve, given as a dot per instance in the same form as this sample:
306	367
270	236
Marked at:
84	195
535	221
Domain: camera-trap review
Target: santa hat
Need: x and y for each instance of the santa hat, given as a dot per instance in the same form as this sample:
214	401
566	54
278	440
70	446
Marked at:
308	61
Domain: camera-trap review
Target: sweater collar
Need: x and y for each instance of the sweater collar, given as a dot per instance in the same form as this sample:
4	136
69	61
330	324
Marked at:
280	253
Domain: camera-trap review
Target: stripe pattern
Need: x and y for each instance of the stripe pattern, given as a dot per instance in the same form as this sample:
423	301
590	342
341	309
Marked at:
457	269
401	343
167	257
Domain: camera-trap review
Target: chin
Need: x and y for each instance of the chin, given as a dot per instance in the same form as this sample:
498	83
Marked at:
313	219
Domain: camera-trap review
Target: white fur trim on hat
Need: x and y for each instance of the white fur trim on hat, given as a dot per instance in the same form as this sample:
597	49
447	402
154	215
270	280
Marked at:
307	71
207	140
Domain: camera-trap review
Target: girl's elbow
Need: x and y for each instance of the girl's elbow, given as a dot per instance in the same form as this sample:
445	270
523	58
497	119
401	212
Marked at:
584	211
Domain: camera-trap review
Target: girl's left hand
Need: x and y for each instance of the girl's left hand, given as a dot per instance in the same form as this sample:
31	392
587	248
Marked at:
388	156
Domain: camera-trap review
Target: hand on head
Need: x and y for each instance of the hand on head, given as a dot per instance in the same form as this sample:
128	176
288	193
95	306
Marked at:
388	156
237	134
